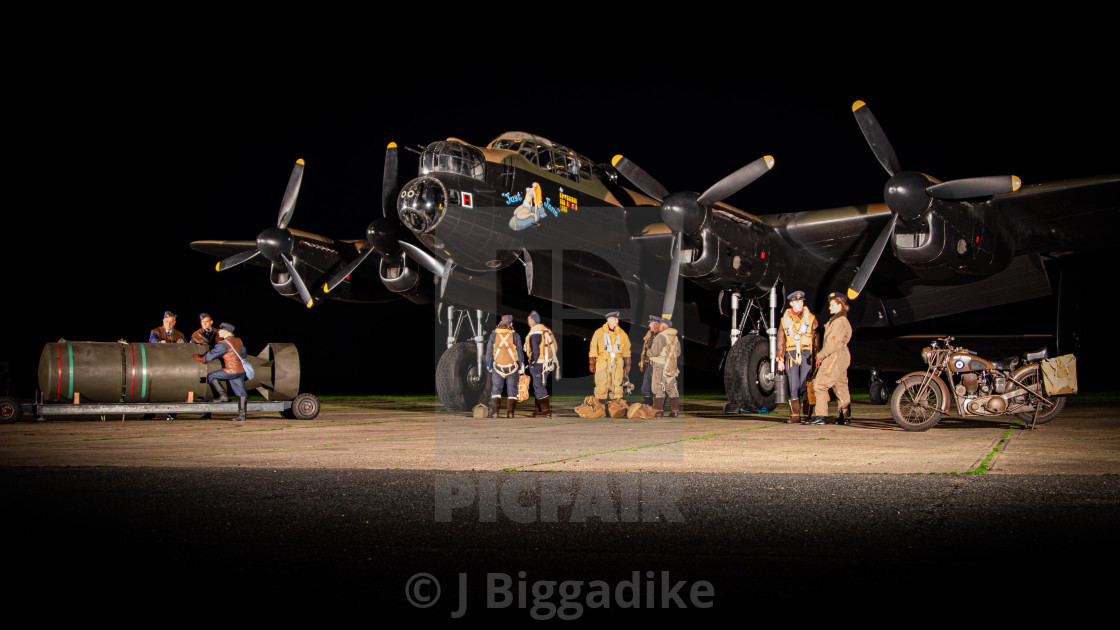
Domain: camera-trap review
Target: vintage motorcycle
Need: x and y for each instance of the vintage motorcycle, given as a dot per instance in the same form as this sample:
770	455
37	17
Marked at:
980	387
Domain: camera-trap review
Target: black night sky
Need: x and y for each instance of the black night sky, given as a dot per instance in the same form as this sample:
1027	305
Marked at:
123	157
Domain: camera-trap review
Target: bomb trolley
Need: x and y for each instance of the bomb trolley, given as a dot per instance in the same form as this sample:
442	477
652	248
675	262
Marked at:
106	378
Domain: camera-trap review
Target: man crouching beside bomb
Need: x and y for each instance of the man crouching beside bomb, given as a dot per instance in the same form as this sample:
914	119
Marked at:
232	351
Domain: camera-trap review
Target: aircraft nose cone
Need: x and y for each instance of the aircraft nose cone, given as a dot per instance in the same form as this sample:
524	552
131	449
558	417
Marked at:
905	194
383	237
274	241
681	212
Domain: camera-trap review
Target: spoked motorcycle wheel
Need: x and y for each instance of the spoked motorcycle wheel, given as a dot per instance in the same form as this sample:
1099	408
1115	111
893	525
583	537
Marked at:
1029	376
913	409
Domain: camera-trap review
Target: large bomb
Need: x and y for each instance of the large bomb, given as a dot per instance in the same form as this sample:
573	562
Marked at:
107	372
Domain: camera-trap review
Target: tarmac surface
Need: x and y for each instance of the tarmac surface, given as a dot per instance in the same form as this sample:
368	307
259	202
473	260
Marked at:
417	435
396	508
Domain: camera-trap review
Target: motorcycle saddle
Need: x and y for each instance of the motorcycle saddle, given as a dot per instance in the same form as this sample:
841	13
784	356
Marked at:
1008	364
1037	355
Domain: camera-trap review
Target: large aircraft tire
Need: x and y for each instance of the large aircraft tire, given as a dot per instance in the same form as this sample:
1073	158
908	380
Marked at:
744	375
458	383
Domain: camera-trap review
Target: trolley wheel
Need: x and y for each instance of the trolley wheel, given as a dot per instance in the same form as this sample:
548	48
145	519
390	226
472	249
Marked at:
10	411
305	406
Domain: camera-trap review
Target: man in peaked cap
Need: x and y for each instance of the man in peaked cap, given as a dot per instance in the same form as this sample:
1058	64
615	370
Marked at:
797	345
231	350
609	359
167	333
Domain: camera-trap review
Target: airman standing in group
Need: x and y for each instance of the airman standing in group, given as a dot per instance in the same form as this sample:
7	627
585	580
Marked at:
609	359
540	350
506	362
664	352
798	343
643	362
832	363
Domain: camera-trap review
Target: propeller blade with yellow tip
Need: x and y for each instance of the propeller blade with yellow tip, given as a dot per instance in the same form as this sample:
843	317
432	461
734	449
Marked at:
237	259
643	180
288	203
344	272
389	182
736	181
875	137
304	294
870	260
975	187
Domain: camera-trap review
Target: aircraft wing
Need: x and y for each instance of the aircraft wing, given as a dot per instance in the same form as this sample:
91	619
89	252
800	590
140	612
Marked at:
1064	217
1051	219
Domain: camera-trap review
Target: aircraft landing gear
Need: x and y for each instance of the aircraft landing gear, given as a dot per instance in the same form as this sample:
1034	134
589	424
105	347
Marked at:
461	377
878	392
748	370
747	376
459	383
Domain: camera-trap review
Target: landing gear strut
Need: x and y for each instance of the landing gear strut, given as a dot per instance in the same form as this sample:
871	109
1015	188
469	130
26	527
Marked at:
749	375
461	377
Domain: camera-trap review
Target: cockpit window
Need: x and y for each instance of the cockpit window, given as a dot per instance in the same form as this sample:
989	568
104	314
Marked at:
550	156
529	151
509	144
453	157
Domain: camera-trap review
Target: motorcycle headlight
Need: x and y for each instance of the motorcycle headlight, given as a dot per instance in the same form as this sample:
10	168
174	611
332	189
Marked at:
927	352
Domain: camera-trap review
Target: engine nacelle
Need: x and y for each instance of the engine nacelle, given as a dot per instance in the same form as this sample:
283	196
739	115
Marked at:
405	278
282	282
741	259
955	239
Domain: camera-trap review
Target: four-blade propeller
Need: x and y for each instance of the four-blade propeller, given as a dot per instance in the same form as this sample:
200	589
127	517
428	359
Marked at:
276	243
384	234
686	213
910	194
